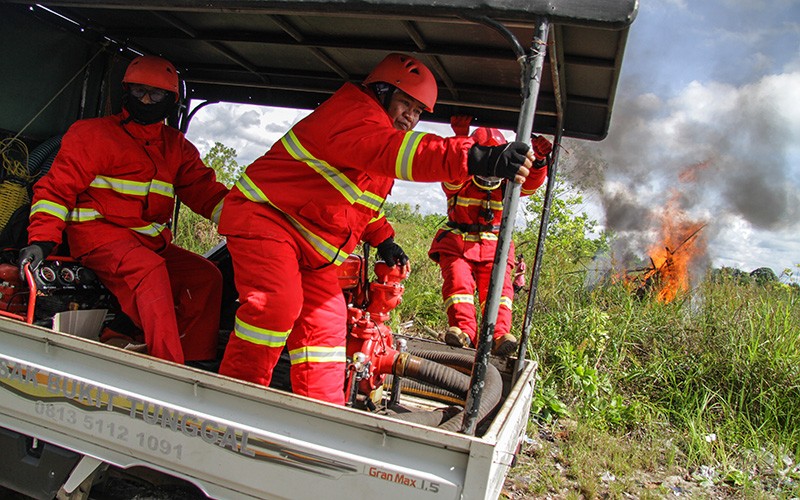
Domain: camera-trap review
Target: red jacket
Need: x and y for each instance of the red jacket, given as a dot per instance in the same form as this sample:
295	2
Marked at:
470	233
126	175
331	173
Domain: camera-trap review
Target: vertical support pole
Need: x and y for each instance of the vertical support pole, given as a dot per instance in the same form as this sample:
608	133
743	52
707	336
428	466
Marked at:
537	260
532	65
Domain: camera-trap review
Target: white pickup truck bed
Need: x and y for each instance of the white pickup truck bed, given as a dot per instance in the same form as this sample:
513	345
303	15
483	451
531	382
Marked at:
232	439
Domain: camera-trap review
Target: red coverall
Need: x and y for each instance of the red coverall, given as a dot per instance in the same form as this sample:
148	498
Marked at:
112	187
465	251
297	213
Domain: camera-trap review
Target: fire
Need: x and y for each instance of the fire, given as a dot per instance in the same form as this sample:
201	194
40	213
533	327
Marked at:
678	247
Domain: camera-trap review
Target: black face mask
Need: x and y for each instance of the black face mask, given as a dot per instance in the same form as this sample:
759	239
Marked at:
145	114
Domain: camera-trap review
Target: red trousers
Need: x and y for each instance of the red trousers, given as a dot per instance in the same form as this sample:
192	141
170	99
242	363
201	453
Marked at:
460	278
173	295
285	302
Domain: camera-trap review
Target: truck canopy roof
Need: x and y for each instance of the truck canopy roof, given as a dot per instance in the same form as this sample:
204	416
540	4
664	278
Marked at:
296	53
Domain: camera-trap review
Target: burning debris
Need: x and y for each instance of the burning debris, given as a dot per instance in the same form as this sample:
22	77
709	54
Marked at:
678	248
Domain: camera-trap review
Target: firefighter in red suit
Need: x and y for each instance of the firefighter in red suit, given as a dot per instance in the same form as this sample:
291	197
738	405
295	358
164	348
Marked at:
112	188
299	211
465	248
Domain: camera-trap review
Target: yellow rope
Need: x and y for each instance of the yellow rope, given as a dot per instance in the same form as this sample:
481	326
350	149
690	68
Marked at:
14	188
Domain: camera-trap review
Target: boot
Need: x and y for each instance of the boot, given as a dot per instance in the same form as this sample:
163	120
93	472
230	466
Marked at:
456	338
505	346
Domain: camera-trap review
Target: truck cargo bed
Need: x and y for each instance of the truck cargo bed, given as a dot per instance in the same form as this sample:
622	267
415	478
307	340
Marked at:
234	439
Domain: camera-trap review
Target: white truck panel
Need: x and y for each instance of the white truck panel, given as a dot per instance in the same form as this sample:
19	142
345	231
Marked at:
238	440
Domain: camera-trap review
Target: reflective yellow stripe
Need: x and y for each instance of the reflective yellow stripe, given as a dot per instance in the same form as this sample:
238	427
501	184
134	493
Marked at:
371	200
217	211
459	299
50	208
377	218
162	188
337	179
351	192
473	237
260	336
89	214
250	190
318	354
405	157
121	185
504	301
330	252
84	215
134	188
153	229
471	202
452	187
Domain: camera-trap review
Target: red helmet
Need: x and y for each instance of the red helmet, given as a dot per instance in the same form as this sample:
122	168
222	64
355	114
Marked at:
488	137
409	75
153	71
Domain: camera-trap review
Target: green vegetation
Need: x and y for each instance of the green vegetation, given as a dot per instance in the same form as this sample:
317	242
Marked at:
698	397
194	232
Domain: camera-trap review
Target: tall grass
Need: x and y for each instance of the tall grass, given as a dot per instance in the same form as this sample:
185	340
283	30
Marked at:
719	366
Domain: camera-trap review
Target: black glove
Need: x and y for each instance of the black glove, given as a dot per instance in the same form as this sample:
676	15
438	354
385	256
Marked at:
34	254
497	161
391	253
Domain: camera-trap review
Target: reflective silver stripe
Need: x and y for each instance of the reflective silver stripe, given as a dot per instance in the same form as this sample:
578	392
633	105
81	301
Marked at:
134	188
337	179
473	237
506	301
89	214
50	208
121	185
250	190
467	202
217	211
260	336
331	253
371	200
318	354
403	168
459	299
162	188
83	215
328	251
153	229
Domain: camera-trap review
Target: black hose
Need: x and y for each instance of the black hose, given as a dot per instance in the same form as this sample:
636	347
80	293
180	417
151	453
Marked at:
41	158
430	367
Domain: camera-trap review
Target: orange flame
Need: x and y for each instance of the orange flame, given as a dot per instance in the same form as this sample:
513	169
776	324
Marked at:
678	247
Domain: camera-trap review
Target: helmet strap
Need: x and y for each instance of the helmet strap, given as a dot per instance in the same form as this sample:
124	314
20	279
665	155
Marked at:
383	92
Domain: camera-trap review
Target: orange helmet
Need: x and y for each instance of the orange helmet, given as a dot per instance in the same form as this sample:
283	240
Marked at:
409	75
485	136
153	71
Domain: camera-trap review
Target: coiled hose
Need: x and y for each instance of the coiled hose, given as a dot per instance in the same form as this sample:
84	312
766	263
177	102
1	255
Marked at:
41	158
434	372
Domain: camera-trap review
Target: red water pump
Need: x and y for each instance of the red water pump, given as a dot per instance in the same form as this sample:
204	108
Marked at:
370	344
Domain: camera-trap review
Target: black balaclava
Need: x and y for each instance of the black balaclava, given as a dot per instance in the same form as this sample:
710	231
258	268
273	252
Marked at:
145	114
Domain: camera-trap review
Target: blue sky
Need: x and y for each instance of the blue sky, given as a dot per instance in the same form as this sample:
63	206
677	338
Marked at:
714	83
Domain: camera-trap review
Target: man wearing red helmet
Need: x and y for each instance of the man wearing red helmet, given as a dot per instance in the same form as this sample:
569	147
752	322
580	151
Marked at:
299	211
465	249
112	189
